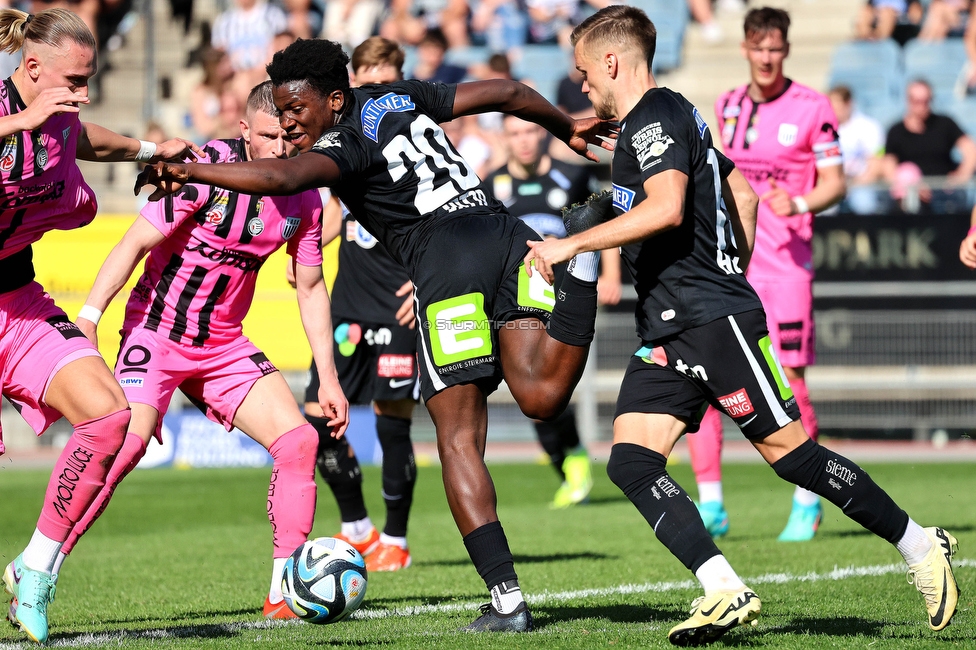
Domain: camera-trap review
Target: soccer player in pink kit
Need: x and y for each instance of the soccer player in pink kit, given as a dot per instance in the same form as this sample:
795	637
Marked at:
48	368
182	327
783	137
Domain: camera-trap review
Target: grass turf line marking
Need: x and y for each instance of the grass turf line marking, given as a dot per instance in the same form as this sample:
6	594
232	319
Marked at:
205	631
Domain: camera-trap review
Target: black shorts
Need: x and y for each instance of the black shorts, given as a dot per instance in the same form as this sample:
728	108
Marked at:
729	363
375	362
469	283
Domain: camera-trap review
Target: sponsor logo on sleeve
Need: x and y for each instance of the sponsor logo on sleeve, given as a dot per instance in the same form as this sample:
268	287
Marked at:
374	110
827	151
650	142
394	366
356	233
623	199
290	227
700	122
328	140
737	404
787	134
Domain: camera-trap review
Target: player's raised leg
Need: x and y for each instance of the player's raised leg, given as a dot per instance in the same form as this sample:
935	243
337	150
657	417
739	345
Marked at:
84	391
460	415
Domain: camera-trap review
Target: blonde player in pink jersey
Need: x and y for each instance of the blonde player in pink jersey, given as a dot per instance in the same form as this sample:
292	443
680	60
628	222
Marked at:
48	368
783	137
183	328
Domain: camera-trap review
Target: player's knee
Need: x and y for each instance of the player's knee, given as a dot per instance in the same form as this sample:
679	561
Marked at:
803	465
630	464
542	405
105	434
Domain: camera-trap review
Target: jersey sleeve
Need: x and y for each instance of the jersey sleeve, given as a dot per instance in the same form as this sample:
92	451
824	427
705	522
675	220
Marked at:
824	140
725	165
435	99
169	214
306	245
662	142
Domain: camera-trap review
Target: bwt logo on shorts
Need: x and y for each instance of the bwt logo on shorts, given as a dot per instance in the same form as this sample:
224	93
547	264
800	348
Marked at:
736	404
374	110
395	365
131	382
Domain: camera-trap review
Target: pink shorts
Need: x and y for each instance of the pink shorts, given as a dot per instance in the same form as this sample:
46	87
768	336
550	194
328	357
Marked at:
789	317
36	341
216	377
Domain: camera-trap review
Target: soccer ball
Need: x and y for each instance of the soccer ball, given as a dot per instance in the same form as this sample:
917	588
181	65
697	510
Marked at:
324	580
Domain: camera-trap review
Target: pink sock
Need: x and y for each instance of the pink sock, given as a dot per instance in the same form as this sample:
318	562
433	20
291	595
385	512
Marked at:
291	495
133	449
705	448
80	472
807	415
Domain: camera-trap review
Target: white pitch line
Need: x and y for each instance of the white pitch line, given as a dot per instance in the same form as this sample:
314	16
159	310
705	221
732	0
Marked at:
189	632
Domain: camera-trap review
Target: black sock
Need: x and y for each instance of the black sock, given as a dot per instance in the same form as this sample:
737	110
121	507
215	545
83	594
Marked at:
399	472
558	437
642	475
573	317
488	548
847	486
340	471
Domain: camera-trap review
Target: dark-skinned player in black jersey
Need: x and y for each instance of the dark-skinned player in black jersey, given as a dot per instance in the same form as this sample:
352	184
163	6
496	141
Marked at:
481	316
686	219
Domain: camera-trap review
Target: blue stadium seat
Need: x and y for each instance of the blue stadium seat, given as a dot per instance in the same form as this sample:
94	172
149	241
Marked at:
544	66
877	55
670	17
963	111
938	63
466	56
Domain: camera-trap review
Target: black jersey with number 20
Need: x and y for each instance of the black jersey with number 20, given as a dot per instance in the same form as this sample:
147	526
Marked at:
688	276
399	170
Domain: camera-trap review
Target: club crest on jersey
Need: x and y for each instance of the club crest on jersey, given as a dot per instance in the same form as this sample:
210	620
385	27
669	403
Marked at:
787	134
40	159
9	153
255	226
290	227
355	232
375	109
623	198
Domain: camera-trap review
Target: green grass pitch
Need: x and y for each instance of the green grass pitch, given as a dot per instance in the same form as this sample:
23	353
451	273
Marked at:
181	559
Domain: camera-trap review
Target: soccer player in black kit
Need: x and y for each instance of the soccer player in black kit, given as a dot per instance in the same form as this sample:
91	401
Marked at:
480	313
686	219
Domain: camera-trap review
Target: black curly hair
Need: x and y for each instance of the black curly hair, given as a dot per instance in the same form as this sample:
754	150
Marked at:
320	63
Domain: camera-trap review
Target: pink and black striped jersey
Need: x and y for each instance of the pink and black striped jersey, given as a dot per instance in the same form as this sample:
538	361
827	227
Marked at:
42	186
198	283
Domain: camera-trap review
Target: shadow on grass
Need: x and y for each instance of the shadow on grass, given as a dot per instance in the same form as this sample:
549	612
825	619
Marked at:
113	638
962	528
527	559
544	615
182	617
606	498
849	626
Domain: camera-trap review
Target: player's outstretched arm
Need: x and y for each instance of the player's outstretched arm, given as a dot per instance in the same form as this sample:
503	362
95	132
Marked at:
648	218
268	176
742	204
98	144
313	305
116	270
514	98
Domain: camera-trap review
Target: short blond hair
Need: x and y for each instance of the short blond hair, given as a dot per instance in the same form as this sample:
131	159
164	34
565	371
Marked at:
619	25
377	50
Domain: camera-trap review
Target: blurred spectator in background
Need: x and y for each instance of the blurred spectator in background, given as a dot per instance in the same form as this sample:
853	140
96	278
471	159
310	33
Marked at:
430	60
945	18
571	99
967	250
551	21
350	22
701	11
466	137
214	108
87	10
862	143
245	32
927	140
501	24
878	18
245	80
409	20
